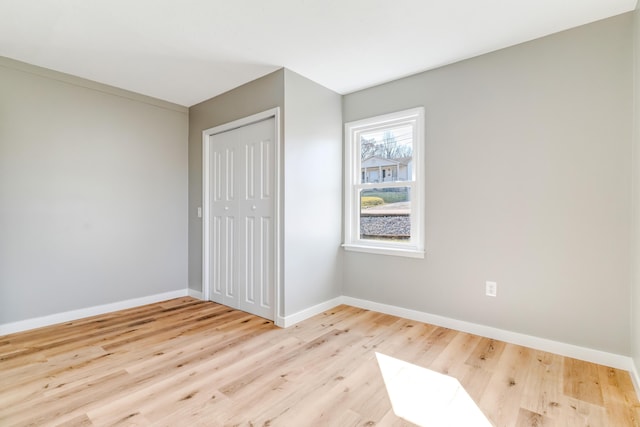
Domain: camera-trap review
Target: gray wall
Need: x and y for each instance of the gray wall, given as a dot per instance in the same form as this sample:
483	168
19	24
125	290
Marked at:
635	308
528	178
312	195
93	185
311	122
254	97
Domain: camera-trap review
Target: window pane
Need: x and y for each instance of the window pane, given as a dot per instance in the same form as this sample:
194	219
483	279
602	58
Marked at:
385	214
386	155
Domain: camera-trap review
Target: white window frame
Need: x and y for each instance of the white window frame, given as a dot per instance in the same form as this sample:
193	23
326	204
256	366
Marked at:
415	246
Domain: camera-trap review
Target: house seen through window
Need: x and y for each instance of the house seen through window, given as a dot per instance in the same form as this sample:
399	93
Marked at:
384	202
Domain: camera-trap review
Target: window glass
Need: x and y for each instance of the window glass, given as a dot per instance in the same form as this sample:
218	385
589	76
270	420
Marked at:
385	214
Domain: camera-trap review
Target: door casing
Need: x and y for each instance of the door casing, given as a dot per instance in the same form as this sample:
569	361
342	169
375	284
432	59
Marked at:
206	214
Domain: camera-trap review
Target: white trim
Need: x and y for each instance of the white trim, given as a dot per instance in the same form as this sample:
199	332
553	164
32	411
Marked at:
563	349
569	350
286	321
353	185
67	316
206	174
635	377
411	253
194	294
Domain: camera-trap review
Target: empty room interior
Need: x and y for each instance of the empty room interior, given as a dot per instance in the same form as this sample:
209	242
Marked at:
331	213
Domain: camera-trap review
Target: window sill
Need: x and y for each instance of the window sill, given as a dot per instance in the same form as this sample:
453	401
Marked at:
410	253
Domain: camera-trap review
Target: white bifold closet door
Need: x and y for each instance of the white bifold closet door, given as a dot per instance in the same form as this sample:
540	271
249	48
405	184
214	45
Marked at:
242	210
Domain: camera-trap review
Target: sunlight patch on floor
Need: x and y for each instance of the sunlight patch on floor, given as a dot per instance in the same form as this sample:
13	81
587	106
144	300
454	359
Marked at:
428	398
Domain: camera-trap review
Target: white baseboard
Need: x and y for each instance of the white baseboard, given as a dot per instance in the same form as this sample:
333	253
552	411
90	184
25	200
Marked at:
590	355
67	316
563	349
635	377
286	321
194	294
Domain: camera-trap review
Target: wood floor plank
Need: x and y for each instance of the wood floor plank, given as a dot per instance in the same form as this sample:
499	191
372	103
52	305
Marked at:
185	362
582	381
305	376
475	382
502	396
40	379
543	388
451	361
581	413
79	421
487	354
527	418
619	396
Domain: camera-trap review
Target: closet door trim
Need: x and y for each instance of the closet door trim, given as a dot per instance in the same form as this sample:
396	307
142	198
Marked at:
206	215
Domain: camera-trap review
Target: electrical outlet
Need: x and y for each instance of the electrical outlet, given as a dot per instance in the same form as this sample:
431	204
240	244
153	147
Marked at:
491	289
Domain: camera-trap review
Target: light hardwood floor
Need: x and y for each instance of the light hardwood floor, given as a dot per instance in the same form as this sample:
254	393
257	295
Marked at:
188	362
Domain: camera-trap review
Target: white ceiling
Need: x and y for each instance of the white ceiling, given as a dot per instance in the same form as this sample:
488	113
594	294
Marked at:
186	51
